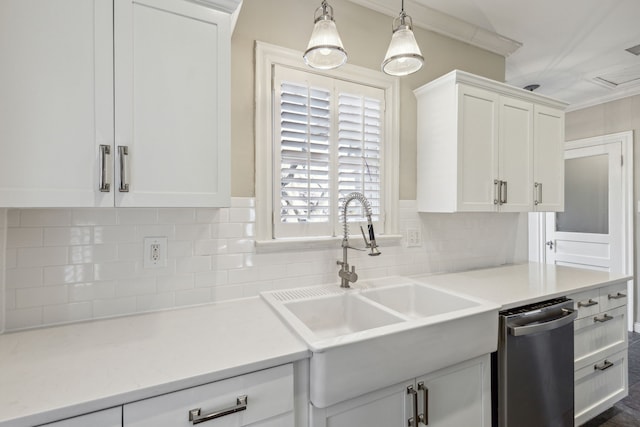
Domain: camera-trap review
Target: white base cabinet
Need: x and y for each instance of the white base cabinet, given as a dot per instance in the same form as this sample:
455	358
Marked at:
600	350
262	398
106	418
452	397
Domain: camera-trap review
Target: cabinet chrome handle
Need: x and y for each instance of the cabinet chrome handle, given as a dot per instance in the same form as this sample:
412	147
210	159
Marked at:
605	365
503	194
424	417
589	303
617	296
196	418
413	421
538	198
603	319
104	185
123	154
497	188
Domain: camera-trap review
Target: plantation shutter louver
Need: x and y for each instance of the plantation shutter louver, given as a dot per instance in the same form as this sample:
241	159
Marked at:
328	144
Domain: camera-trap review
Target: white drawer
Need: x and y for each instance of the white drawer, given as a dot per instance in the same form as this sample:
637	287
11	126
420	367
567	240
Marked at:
587	303
599	334
613	296
599	385
269	402
107	418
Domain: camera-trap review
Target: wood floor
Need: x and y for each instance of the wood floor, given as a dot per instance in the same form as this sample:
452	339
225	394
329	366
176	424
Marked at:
625	413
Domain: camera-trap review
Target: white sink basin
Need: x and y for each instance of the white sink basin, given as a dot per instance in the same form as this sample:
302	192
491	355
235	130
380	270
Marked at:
416	301
382	332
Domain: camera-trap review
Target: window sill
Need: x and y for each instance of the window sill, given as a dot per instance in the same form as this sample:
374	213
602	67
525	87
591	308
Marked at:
315	243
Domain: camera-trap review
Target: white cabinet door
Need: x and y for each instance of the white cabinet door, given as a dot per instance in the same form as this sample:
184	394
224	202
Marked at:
478	149
172	74
459	395
548	159
516	155
56	101
106	418
381	408
456	396
269	402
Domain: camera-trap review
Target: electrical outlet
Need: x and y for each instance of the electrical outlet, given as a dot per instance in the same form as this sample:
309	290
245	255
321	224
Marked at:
155	252
413	237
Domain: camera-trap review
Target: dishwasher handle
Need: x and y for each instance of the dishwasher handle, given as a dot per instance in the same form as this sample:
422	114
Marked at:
567	315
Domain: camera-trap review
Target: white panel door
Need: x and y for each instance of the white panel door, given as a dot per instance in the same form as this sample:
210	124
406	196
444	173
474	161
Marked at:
589	233
56	101
516	154
172	61
478	155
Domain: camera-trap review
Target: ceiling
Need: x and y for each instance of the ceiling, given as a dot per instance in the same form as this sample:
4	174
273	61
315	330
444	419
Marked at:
574	49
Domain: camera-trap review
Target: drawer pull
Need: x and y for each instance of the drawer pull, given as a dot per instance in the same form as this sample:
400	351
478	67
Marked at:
589	303
603	319
605	365
617	296
196	418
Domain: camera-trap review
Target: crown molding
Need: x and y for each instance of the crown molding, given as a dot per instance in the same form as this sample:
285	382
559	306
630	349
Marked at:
447	25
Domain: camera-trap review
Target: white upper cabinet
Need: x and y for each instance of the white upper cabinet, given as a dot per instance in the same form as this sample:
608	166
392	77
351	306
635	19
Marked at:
115	103
56	103
483	146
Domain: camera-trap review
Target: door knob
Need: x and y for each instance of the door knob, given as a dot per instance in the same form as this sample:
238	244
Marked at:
550	244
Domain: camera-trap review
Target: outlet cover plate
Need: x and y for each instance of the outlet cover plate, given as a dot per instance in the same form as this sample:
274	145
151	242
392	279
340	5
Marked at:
155	252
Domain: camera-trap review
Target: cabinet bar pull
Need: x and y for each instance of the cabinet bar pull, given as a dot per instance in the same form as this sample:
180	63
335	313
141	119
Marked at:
603	319
104	185
196	418
123	153
503	194
588	303
538	198
497	188
424	418
413	421
617	296
605	365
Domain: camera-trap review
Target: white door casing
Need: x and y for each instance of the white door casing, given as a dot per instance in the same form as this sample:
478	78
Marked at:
611	248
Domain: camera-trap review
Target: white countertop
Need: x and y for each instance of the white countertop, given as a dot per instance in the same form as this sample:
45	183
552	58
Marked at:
522	284
58	372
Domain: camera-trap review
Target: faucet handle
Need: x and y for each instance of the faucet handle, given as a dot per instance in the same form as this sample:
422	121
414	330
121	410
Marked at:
371	244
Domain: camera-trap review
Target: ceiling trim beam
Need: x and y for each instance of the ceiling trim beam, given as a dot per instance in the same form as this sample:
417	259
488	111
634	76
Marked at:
447	25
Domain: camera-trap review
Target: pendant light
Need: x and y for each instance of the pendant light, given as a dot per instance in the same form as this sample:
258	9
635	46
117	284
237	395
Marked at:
403	55
325	50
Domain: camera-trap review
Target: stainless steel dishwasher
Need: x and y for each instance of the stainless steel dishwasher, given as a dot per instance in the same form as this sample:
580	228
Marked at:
533	367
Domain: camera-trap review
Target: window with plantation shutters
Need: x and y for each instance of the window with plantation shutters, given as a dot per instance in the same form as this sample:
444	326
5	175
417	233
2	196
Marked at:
327	143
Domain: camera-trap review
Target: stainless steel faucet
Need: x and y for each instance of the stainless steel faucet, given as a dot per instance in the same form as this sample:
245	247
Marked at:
345	275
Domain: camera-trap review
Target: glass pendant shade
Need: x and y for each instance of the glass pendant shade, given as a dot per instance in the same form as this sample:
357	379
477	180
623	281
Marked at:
403	55
325	50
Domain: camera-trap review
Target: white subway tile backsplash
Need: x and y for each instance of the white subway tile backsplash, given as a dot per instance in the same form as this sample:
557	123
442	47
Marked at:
45	217
24	237
97	216
59	236
39	297
23	277
40	257
61	274
137	216
65	265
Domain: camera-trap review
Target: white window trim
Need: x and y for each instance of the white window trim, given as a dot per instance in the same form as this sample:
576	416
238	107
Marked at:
267	55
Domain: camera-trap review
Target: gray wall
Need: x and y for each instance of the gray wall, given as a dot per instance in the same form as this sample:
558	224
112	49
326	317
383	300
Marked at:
611	117
365	35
